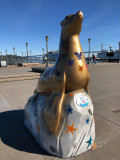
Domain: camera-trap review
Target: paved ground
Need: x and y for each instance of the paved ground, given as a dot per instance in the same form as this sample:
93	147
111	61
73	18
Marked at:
17	143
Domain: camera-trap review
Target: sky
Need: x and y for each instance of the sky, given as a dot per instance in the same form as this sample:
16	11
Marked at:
30	21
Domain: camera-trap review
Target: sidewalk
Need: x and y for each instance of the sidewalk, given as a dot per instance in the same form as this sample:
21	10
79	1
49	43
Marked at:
17	144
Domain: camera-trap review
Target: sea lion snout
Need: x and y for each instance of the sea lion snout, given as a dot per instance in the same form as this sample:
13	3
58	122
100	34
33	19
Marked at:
71	18
80	13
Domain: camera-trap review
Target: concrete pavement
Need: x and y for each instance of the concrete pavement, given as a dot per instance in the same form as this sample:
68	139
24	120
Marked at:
17	143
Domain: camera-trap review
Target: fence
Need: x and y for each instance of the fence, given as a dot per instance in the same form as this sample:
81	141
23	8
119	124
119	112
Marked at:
11	59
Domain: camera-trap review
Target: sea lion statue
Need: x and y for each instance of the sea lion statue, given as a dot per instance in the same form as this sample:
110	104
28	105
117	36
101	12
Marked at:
60	113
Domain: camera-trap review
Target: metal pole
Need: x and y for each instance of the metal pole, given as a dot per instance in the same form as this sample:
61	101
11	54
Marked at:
47	50
43	54
14	54
22	57
6	56
31	55
27	51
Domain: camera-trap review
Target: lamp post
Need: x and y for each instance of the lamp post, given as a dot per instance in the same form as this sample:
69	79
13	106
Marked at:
6	55
22	57
31	55
14	53
110	48
47	50
43	54
89	49
14	50
1	55
27	51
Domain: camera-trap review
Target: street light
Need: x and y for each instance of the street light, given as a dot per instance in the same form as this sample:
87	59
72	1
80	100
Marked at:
89	49
47	50
14	50
43	54
110	48
27	51
22	57
31	55
6	52
14	53
6	55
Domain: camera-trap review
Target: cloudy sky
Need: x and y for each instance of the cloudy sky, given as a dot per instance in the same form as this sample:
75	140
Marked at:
30	21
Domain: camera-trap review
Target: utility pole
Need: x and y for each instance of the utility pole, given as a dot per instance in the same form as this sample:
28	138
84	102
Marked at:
89	49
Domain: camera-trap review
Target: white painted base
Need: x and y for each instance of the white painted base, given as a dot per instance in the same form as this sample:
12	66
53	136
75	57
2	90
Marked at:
78	111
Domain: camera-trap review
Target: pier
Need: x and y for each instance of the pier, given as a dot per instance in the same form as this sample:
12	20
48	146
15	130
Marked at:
17	84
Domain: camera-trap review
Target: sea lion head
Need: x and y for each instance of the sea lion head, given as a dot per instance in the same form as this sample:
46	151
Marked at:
72	24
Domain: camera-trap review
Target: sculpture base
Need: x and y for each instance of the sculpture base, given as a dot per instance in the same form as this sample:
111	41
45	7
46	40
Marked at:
77	132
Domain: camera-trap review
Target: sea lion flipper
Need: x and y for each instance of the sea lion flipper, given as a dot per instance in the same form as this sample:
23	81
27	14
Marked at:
53	107
52	111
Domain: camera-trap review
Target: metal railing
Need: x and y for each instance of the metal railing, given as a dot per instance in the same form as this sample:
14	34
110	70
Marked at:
14	60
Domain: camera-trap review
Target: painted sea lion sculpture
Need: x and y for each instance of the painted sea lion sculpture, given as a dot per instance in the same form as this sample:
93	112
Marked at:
69	74
60	113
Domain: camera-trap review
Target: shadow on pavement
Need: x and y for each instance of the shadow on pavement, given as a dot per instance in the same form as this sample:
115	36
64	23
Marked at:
14	134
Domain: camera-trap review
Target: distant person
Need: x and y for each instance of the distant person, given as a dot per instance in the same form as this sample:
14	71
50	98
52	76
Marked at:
94	59
45	59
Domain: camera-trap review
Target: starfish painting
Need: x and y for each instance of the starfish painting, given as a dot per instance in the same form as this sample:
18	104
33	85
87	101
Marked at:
87	121
79	55
94	145
71	129
69	110
89	142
